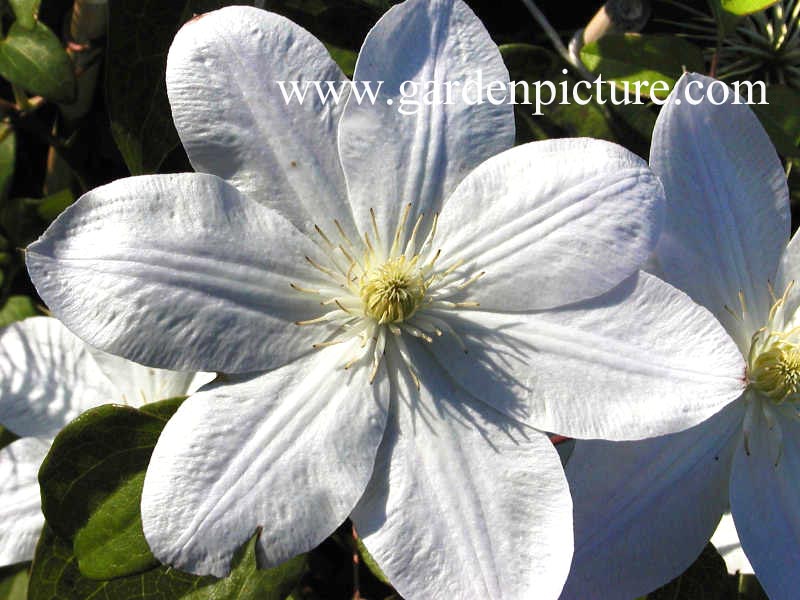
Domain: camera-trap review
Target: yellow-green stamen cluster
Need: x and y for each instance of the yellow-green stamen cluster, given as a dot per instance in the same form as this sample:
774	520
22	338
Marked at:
393	291
775	371
774	360
378	292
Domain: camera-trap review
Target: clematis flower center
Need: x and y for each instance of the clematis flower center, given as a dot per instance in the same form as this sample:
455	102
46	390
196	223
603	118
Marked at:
379	292
393	291
775	372
774	360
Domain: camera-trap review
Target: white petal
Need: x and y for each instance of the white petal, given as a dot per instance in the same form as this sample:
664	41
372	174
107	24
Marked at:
464	503
223	71
21	517
47	378
789	274
552	223
727	202
392	159
727	543
645	510
140	385
640	361
179	272
290	451
765	503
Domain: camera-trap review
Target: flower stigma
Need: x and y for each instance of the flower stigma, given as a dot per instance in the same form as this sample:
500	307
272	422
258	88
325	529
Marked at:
377	295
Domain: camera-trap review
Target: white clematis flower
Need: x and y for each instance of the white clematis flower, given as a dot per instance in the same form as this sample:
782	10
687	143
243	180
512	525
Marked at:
399	299
47	378
645	510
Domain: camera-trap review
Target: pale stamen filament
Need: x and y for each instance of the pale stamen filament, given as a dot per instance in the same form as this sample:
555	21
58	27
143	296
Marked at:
426	325
402	349
342	234
331	251
428	243
771	290
399	231
329	316
380	347
410	245
416	332
375	227
298	288
429	265
732	313
742	303
318	345
334	300
447	305
320	268
747	424
344	308
352	261
774	434
324	237
452	268
350	277
368	243
471	280
445	326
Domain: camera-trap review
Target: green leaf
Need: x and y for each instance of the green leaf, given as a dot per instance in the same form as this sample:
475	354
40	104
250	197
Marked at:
19	218
54	204
35	60
648	59
163	409
745	7
112	543
533	64
781	119
630	125
346	59
139	35
370	563
5	257
91	483
794	181
25	11
15	309
14	582
726	21
55	576
639	118
247	582
8	158
6	437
